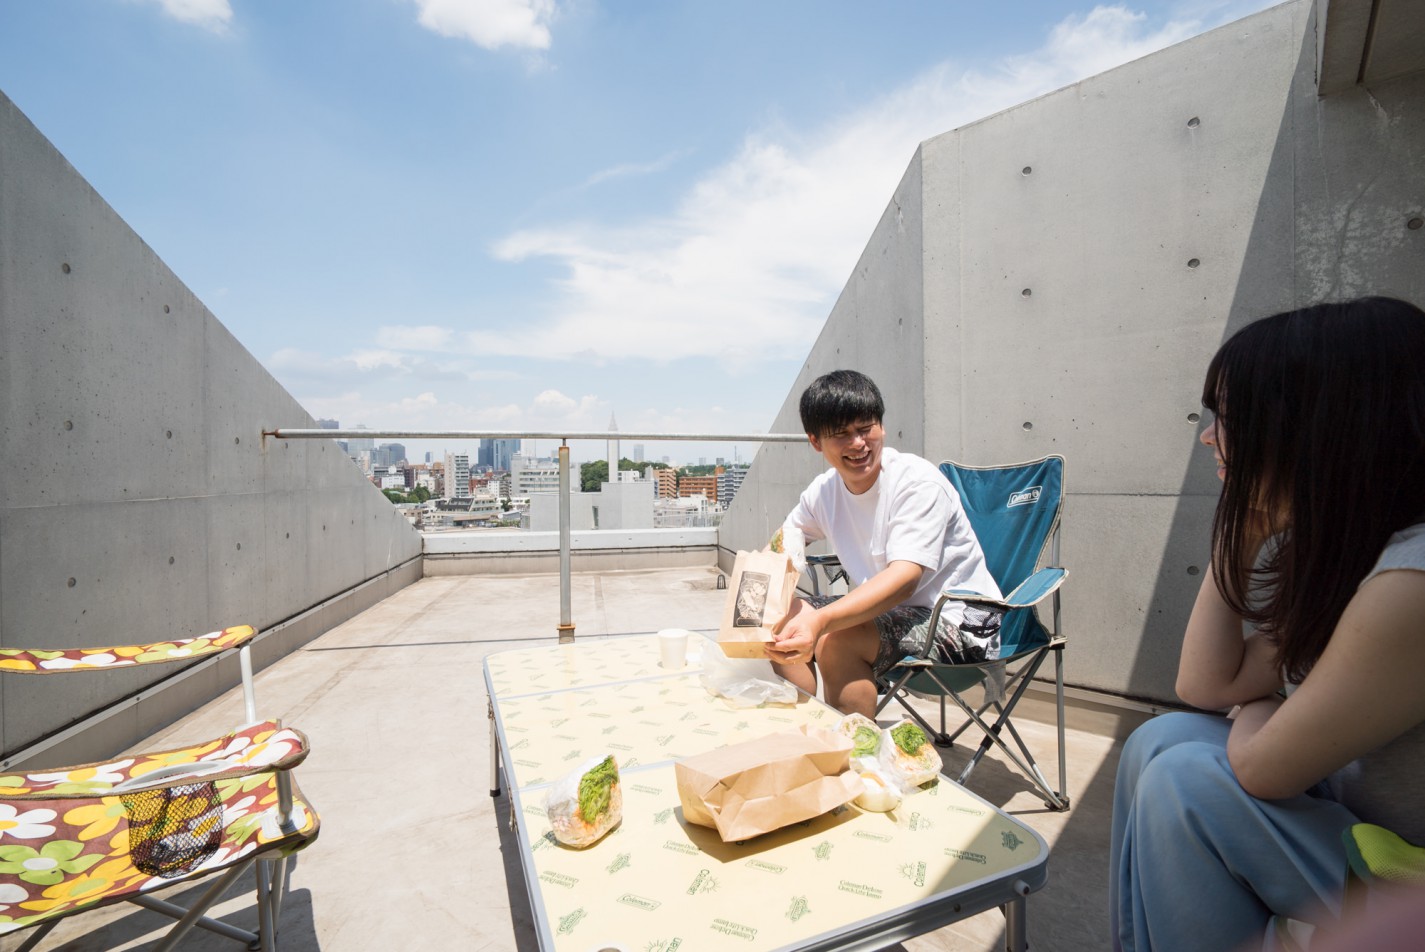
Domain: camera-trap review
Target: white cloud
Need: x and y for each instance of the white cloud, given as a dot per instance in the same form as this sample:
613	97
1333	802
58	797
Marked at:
490	24
402	337
634	168
550	410
301	369
210	14
759	248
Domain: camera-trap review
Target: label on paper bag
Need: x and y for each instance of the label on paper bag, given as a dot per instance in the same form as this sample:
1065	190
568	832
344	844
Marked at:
759	596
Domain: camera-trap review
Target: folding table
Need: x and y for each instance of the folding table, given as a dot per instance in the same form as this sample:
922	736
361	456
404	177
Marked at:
846	880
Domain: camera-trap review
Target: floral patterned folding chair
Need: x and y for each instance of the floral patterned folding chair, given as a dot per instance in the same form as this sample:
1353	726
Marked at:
79	838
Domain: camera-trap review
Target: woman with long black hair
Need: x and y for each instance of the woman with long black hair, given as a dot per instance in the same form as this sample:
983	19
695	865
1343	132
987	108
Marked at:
1309	629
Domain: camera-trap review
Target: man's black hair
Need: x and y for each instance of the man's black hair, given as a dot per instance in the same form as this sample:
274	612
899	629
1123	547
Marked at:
840	399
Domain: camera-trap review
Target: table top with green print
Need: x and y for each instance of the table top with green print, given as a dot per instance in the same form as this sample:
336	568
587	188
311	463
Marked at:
847	879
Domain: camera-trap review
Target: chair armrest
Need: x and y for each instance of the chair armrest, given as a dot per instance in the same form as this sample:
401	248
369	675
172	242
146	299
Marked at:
262	748
65	660
1031	591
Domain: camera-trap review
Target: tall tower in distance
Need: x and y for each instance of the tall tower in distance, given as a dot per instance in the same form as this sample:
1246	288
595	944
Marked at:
501	453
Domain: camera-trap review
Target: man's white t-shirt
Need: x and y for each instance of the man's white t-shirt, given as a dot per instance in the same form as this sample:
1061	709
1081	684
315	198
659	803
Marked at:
910	514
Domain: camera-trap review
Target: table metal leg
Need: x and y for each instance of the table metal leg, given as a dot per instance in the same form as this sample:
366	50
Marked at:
494	751
1016	927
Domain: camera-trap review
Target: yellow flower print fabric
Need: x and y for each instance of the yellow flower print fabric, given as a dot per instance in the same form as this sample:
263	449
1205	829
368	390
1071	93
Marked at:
67	838
57	660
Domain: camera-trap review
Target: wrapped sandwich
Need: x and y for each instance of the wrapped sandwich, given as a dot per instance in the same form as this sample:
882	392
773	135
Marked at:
881	793
908	757
866	736
584	805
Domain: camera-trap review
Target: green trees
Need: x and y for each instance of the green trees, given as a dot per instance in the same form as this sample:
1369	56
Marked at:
596	472
418	495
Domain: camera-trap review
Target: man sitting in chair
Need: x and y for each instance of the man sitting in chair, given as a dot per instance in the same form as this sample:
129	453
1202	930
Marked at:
898	528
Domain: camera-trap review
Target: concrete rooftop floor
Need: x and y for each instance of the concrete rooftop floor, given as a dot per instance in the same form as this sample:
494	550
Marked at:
415	854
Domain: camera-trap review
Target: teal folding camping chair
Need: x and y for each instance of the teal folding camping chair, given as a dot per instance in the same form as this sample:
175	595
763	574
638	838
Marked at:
1015	513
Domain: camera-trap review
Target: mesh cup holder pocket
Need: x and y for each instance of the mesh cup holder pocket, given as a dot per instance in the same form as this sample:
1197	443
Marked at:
172	830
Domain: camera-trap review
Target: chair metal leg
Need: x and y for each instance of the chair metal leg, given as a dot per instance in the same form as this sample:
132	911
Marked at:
992	736
1017	684
279	884
195	913
893	693
266	911
1059	702
35	937
174	911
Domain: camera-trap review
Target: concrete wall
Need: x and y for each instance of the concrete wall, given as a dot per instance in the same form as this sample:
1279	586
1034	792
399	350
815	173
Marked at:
1054	279
144	502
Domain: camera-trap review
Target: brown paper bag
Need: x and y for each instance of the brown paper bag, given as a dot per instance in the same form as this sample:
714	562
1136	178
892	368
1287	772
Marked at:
762	785
760	593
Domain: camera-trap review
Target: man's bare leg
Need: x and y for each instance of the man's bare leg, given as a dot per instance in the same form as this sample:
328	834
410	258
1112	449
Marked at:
846	658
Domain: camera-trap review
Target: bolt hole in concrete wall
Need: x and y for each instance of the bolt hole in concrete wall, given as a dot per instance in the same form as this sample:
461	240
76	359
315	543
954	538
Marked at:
1027	170
1193	262
1028	425
1194	122
1415	223
1193	418
64	267
1026	292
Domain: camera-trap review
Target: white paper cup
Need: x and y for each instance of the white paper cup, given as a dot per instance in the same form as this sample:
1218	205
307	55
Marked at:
673	648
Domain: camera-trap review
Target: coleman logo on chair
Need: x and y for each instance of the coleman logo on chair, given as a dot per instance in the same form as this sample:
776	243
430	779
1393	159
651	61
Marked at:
1025	497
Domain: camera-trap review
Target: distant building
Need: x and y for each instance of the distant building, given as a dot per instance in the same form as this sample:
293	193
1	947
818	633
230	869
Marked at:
729	481
457	476
638	452
328	425
698	485
529	475
431	480
388	454
667	482
683	512
502	454
356	448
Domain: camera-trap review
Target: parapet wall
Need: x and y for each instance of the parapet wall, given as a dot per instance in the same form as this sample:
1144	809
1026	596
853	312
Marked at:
143	502
1054	279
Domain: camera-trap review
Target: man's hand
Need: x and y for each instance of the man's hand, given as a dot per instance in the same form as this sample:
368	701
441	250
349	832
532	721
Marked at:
796	635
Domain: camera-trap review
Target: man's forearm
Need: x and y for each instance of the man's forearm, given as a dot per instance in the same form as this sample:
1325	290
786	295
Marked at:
880	593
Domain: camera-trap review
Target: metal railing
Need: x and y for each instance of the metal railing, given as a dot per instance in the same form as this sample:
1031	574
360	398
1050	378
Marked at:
566	621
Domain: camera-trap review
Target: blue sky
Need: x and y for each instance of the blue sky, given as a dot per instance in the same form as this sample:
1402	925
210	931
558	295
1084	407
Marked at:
534	214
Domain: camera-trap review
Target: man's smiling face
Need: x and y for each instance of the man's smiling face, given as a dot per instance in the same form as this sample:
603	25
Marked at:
854	451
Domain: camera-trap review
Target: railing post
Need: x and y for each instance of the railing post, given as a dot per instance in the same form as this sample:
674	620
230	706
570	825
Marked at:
566	612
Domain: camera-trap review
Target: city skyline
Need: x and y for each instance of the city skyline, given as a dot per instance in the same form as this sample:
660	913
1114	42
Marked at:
534	214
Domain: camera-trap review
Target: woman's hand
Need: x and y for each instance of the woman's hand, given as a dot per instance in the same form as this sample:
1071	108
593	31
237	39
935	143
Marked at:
1219	667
